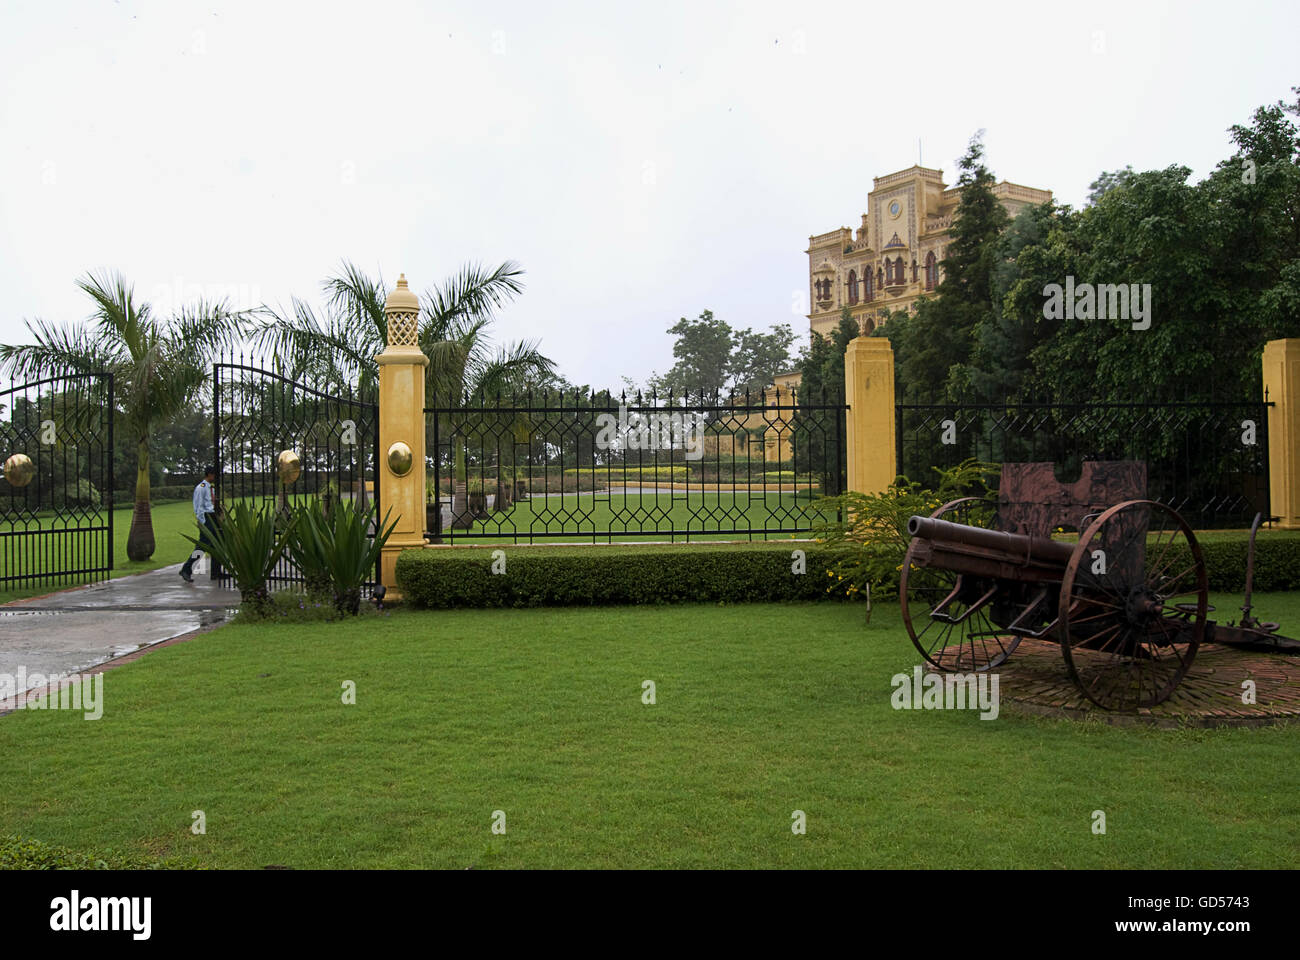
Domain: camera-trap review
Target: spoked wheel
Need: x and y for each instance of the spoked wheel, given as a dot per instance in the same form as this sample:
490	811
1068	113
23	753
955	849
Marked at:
947	614
1133	605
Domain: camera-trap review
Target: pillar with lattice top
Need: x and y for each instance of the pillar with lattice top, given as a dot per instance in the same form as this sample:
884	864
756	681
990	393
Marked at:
400	474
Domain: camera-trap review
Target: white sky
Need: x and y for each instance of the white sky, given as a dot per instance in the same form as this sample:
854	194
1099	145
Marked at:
642	162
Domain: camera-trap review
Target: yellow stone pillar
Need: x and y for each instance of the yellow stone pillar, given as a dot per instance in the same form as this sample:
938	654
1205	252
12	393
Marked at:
869	392
1282	381
400	474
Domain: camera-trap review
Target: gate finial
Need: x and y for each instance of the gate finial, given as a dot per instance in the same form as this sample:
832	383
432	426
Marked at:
402	311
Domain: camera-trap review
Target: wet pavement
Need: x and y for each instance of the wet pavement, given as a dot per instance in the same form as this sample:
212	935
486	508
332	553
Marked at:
78	628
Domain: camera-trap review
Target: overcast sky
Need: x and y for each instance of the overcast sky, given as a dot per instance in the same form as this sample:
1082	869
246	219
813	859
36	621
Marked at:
641	162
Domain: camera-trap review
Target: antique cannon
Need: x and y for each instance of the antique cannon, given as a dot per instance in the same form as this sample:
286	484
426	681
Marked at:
1127	602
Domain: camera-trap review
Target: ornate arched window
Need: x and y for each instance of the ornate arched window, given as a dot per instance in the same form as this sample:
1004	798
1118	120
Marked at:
880	277
853	286
931	271
869	293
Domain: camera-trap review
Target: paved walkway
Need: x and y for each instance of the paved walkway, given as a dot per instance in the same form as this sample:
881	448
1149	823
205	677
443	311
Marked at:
78	628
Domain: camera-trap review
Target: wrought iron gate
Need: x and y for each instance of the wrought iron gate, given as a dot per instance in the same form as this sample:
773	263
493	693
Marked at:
258	413
57	527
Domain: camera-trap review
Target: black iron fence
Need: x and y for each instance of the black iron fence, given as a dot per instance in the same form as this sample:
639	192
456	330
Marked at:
571	466
56	498
258	414
1207	460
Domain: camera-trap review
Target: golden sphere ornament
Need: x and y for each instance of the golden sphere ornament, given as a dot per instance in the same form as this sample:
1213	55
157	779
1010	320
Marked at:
19	470
289	465
400	459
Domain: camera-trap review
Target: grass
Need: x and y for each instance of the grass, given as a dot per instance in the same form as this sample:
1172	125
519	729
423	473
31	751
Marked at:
647	516
761	710
171	521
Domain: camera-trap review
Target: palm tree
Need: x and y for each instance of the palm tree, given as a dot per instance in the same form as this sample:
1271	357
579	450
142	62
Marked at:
454	334
340	349
157	365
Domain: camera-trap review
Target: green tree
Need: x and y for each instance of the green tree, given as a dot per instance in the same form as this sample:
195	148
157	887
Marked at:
712	358
1107	181
941	332
821	381
158	366
1222	258
454	333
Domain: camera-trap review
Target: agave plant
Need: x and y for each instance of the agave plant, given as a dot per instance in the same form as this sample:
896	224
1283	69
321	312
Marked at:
348	550
306	549
248	545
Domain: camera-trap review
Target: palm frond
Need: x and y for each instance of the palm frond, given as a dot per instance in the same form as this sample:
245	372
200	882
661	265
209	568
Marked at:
57	350
358	300
207	328
513	366
116	313
472	293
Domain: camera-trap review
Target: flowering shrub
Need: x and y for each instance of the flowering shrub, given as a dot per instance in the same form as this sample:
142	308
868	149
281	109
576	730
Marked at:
875	526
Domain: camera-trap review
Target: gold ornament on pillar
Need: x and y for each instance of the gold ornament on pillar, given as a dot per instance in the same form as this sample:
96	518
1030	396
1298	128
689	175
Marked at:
400	459
19	470
289	465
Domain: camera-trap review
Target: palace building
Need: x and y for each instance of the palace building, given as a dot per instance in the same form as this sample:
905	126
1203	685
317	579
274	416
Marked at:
893	258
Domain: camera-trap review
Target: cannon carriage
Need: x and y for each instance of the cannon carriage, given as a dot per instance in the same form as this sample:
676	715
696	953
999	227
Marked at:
1127	602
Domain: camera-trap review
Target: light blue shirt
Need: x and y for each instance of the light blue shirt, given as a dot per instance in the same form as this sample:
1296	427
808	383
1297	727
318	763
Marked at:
202	501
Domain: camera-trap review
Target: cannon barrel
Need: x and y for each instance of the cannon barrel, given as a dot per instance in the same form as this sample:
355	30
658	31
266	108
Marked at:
986	553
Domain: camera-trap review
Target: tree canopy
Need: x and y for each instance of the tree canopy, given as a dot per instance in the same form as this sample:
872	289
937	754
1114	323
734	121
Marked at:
1221	258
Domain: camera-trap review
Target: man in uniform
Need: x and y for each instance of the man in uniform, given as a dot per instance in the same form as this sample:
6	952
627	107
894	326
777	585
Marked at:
205	514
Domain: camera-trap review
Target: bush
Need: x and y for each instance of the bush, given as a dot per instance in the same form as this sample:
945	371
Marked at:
163	493
24	853
248	545
631	471
1277	565
308	552
345	548
607	575
874	529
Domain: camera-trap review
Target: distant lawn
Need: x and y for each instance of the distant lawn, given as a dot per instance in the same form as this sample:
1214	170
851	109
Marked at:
649	515
170	522
761	710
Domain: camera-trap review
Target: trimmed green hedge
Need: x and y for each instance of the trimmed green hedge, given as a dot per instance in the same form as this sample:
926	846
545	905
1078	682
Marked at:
641	574
583	576
159	494
1277	563
620	472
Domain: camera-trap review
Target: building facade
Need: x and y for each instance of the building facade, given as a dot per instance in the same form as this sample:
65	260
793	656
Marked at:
893	258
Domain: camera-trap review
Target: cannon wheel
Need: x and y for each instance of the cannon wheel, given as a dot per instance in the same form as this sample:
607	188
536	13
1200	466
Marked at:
973	645
1133	605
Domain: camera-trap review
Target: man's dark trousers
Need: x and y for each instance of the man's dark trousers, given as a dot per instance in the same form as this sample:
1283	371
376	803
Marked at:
204	546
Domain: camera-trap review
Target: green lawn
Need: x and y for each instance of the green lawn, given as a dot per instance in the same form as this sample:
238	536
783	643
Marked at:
170	522
761	710
648	516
